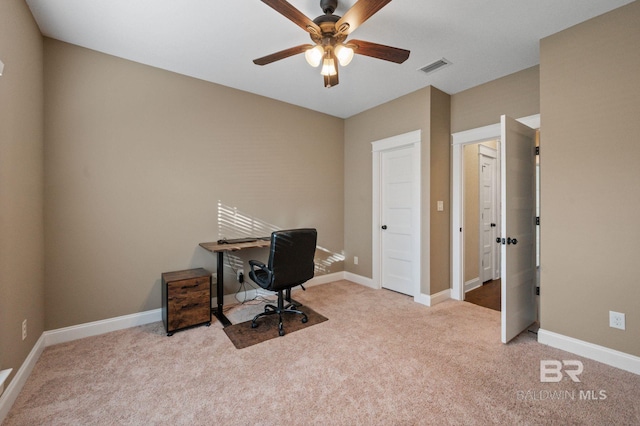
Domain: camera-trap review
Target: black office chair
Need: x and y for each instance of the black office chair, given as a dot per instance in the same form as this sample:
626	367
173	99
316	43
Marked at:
290	264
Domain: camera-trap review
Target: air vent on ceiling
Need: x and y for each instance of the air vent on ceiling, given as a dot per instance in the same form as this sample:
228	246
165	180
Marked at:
440	63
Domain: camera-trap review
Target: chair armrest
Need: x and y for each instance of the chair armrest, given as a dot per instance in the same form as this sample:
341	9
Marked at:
266	273
257	263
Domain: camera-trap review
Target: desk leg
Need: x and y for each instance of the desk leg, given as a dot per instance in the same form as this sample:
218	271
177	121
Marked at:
220	292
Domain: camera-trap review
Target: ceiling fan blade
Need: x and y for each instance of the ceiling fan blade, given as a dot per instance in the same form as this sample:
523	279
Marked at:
379	51
294	15
282	54
360	12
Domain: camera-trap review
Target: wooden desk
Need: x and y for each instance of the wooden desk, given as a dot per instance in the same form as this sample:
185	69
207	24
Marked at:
220	249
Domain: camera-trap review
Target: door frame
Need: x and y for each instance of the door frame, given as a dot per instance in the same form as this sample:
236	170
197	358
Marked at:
411	139
458	140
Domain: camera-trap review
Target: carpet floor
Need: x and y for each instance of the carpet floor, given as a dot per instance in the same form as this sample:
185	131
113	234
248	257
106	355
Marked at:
381	359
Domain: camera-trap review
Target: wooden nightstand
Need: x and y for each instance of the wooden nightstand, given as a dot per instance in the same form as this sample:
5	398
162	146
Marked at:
186	299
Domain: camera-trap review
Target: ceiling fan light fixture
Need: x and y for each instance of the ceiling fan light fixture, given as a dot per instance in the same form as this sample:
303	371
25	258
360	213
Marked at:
328	67
344	54
329	33
314	55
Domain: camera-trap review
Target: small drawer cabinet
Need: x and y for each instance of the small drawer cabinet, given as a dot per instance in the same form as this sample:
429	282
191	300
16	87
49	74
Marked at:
186	299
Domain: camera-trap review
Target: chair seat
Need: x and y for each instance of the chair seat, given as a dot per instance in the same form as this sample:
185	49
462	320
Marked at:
260	277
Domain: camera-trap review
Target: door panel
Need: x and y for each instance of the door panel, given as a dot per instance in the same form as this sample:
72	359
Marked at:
517	222
397	212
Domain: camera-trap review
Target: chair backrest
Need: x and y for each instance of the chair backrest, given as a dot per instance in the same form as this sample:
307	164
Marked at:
291	257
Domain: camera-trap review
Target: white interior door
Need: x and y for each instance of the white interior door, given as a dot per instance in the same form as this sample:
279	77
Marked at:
488	214
398	227
517	155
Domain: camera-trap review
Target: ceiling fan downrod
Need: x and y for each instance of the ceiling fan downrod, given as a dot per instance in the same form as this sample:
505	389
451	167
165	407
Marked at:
328	6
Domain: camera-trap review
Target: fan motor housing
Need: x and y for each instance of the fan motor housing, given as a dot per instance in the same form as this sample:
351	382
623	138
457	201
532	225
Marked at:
327	24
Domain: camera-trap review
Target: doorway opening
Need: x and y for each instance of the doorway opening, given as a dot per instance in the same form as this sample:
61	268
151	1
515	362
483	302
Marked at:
459	141
518	215
485	290
481	222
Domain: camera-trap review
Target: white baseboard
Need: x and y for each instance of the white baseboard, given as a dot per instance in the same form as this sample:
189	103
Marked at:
433	299
325	279
10	394
423	299
472	284
599	353
440	297
95	328
359	279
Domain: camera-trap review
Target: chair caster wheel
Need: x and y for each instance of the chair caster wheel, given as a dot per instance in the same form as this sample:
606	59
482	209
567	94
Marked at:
304	320
254	325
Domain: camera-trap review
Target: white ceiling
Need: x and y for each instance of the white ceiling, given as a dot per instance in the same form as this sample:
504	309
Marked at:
217	40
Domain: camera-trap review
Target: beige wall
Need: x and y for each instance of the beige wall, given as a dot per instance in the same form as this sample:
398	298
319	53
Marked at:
517	95
426	110
440	164
590	104
409	113
21	222
142	164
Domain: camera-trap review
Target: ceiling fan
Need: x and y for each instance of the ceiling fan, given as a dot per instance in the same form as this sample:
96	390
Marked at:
329	33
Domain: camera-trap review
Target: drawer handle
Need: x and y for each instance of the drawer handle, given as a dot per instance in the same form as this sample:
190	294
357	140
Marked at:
191	286
190	306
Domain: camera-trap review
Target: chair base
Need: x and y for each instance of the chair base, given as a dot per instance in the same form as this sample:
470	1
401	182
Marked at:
279	310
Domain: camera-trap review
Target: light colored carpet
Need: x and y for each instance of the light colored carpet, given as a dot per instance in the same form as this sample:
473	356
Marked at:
380	359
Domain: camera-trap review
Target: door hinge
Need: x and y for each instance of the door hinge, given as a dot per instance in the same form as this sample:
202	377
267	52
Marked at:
537	291
537	220
537	150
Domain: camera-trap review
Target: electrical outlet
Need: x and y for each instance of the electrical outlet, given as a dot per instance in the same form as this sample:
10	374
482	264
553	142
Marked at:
355	260
24	329
240	276
616	320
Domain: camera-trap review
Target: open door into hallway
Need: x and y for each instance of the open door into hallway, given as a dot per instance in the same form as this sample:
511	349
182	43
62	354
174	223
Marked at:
518	226
517	218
